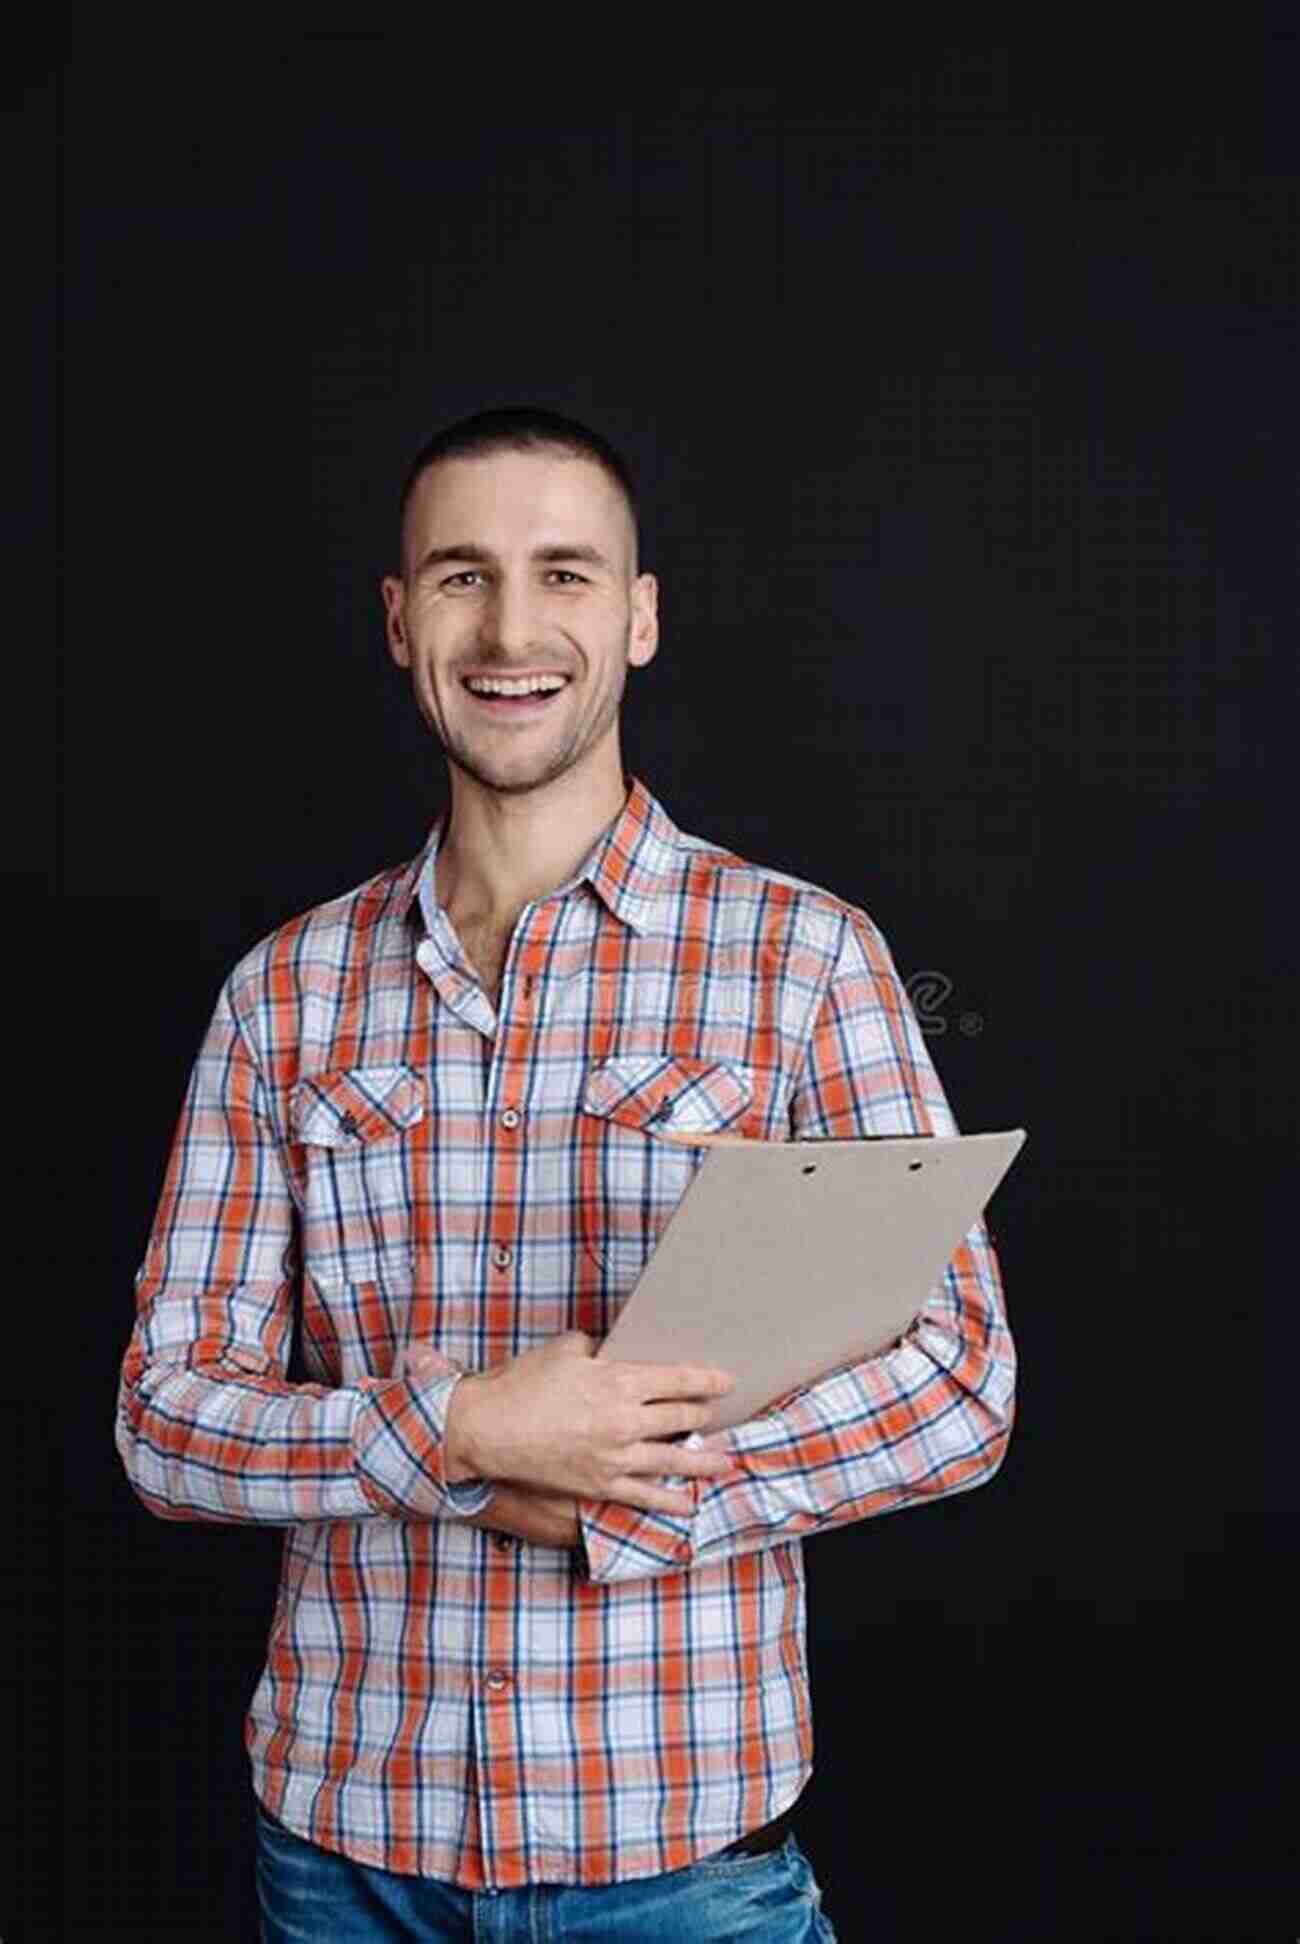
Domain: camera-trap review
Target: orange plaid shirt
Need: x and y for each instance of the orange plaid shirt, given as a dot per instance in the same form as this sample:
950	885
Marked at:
365	1138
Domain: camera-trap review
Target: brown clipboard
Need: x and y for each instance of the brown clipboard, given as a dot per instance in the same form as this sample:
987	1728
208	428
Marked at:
785	1260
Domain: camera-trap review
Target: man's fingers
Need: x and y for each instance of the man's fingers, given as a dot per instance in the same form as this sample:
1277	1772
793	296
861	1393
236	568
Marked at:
649	1498
668	1381
659	1459
667	1420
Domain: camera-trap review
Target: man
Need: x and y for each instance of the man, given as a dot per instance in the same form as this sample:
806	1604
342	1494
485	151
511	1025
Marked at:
532	1654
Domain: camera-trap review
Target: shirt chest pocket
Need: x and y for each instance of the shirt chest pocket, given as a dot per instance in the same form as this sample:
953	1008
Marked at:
353	1126
636	1160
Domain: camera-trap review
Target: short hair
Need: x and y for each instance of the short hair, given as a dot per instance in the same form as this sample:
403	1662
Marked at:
524	428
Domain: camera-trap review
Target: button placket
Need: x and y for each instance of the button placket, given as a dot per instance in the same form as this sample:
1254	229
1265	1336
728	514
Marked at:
499	1066
502	1254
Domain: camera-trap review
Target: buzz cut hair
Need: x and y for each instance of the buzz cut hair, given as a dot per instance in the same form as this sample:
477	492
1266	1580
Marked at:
524	428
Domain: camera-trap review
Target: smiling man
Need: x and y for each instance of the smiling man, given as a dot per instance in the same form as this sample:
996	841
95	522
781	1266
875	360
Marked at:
537	1665
518	613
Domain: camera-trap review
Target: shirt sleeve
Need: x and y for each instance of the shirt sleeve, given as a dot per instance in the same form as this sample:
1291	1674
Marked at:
207	1426
928	1417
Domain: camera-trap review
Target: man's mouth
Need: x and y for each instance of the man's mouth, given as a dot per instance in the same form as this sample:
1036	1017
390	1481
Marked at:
510	698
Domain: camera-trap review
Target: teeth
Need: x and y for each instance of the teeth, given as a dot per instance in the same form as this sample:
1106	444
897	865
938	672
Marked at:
489	685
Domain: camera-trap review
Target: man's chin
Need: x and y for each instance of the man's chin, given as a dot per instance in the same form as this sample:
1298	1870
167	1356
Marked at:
508	778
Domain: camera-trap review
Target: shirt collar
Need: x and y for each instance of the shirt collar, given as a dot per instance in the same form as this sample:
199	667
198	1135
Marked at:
629	866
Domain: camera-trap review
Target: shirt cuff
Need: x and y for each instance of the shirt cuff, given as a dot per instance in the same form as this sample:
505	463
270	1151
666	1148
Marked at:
618	1542
398	1437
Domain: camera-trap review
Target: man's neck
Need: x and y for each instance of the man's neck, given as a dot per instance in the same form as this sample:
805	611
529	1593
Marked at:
500	853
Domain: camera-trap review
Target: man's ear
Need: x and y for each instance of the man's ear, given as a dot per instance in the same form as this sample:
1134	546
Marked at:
393	594
646	622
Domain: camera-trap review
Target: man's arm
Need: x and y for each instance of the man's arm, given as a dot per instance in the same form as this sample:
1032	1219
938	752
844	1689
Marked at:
927	1418
207	1426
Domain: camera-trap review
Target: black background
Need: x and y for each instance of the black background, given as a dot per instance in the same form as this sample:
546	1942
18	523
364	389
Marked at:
961	393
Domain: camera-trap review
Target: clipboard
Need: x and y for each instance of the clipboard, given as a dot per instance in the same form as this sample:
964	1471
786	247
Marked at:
784	1260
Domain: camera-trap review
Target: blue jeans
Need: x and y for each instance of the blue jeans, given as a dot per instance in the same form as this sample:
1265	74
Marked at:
309	1895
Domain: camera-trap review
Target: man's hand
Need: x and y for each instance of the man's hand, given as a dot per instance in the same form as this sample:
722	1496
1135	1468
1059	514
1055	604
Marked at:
547	1518
560	1419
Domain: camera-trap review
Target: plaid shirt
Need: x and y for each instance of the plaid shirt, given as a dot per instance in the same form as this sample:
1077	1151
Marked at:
362	1134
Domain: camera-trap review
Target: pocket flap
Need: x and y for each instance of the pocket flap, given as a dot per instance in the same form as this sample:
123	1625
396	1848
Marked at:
350	1104
654	1091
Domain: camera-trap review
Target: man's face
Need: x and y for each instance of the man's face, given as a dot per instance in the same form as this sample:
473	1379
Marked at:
508	613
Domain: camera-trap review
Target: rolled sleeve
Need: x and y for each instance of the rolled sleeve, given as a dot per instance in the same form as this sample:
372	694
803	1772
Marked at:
399	1441
927	1417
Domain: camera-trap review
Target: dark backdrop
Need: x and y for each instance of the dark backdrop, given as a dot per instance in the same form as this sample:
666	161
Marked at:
962	395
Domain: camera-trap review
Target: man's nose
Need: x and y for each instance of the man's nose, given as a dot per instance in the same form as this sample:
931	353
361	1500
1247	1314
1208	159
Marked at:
511	617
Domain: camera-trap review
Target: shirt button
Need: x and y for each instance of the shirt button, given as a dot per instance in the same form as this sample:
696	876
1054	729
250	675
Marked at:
424	955
498	1679
510	1118
502	1256
349	1123
503	1541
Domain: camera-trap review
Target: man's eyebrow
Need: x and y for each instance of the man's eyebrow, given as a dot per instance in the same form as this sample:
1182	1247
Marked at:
556	550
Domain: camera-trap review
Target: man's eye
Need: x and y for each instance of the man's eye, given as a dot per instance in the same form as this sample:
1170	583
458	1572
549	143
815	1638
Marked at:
468	572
